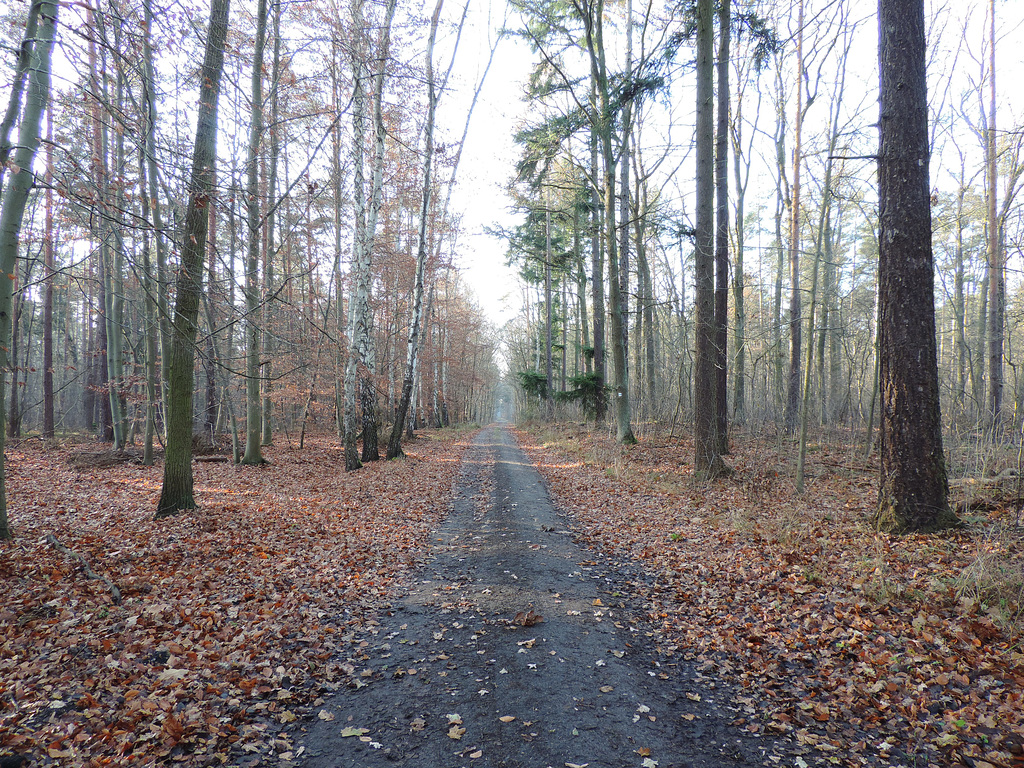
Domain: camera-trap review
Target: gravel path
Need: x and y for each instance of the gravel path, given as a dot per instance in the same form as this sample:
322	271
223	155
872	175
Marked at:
514	648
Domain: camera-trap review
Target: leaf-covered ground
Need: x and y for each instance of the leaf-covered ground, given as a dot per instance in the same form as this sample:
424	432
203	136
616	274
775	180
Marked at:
236	620
863	648
231	616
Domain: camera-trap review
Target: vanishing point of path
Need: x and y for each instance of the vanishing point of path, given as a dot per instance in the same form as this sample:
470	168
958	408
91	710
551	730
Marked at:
513	648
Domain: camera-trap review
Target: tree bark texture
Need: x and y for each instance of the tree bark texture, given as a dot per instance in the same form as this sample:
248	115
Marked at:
593	18
996	267
253	410
795	311
722	237
913	486
177	491
412	354
15	198
708	462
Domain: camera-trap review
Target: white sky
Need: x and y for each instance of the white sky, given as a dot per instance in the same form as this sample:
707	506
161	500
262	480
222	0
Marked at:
490	153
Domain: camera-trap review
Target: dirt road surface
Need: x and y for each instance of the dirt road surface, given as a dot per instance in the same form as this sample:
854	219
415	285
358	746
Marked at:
516	648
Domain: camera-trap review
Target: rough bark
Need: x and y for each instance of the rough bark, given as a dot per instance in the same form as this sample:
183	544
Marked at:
913	486
722	236
708	462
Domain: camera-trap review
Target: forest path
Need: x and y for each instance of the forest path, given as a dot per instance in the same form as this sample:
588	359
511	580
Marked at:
459	675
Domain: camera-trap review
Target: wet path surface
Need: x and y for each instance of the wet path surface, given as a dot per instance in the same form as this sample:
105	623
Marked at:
514	648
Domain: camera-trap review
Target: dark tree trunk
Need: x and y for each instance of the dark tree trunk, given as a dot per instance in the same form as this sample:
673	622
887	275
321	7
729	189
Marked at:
708	461
177	493
913	487
722	238
597	282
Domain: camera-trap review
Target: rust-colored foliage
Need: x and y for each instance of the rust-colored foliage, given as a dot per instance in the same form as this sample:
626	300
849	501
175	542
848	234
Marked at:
855	644
231	615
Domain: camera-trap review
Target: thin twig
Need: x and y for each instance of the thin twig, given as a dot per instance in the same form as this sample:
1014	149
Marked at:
89	572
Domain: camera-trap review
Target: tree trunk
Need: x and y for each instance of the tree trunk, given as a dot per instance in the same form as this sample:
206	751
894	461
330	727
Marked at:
795	319
150	314
162	278
593	18
395	441
15	197
708	463
177	494
269	314
959	303
49	271
549	379
722	236
996	270
913	487
253	411
597	273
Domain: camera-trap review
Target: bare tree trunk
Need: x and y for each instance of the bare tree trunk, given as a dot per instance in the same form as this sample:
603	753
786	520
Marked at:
253	411
177	491
912	487
49	271
150	314
996	270
162	278
722	236
708	463
959	304
795	318
395	441
549	394
270	251
593	18
597	272
15	198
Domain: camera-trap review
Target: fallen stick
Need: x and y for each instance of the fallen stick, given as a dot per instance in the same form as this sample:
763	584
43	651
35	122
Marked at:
89	572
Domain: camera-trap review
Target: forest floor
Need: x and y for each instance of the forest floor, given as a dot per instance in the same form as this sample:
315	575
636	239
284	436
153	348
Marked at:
309	617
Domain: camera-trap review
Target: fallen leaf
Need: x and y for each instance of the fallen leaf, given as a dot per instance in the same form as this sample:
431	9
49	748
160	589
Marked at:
455	732
506	718
346	732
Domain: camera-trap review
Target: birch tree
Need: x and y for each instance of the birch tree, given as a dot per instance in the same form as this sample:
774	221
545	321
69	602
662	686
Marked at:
412	350
360	364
